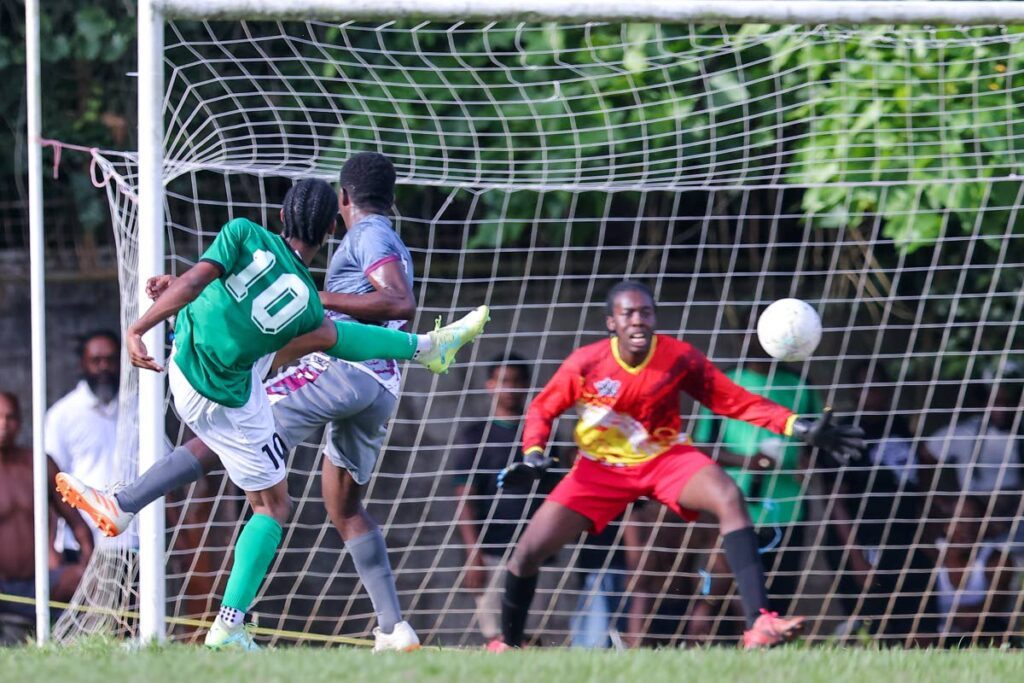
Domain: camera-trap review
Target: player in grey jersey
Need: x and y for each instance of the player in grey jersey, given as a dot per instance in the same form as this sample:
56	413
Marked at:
369	279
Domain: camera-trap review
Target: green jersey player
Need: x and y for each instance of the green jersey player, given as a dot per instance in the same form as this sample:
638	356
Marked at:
251	296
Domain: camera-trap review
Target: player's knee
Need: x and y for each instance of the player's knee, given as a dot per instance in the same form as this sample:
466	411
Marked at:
731	496
344	506
730	503
351	507
207	459
325	336
281	508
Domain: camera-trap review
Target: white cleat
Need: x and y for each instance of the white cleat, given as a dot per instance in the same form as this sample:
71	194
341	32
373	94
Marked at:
102	507
449	339
401	639
224	637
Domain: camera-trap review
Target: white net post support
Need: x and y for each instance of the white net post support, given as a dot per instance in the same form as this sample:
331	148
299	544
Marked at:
38	298
152	579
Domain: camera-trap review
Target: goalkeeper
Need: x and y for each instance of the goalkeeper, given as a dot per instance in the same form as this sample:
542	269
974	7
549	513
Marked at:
248	297
626	391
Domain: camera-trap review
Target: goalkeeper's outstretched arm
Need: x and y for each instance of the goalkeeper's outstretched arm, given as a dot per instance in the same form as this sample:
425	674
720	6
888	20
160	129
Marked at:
555	398
721	395
845	441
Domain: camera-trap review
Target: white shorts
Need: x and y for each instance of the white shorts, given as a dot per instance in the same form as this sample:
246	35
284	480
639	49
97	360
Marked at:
245	439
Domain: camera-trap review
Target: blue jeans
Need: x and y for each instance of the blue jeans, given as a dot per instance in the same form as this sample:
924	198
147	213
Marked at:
595	613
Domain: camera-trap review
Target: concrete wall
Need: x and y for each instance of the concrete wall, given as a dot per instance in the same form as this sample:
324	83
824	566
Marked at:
73	308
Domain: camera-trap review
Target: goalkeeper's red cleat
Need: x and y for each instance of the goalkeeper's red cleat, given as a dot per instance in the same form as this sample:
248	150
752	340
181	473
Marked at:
498	645
770	630
102	507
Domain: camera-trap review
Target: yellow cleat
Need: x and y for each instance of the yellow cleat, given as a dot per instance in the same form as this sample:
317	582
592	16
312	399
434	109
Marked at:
449	339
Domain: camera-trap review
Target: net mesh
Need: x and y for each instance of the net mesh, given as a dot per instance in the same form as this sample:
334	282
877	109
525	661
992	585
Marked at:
872	172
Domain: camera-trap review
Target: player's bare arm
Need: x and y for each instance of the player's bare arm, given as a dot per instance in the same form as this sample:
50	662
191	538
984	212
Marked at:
469	531
391	300
178	294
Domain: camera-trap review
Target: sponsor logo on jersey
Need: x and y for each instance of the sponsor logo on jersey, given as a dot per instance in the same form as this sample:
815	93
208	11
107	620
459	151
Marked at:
608	387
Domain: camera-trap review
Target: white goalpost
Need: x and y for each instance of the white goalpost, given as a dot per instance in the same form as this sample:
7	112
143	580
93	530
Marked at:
38	298
151	263
545	151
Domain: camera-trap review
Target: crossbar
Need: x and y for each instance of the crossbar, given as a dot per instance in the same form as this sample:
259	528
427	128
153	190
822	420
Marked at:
811	12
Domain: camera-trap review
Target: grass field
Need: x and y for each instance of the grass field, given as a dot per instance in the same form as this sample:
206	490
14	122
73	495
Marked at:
110	663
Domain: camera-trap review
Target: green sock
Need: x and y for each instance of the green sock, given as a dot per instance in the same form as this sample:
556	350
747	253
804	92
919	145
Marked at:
255	549
365	342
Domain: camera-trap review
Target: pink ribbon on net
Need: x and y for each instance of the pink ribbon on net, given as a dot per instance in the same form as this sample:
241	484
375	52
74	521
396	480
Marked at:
93	152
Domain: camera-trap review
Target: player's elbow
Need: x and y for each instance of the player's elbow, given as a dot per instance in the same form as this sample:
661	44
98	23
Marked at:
192	284
402	308
280	509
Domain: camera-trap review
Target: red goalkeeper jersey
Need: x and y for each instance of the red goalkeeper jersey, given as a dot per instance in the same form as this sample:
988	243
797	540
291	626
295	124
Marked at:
629	415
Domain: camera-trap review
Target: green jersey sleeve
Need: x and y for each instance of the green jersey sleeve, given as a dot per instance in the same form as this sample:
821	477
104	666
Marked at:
227	247
810	402
703	429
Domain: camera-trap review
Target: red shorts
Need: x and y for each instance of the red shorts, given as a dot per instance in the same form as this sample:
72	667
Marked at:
601	492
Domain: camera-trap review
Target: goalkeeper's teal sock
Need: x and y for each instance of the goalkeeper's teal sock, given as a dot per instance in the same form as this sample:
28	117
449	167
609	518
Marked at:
255	549
357	342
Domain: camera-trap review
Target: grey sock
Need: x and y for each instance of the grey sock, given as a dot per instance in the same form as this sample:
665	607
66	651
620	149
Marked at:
370	555
177	469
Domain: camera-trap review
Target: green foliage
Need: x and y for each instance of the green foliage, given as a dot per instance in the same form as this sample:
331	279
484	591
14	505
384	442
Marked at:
935	121
87	50
902	123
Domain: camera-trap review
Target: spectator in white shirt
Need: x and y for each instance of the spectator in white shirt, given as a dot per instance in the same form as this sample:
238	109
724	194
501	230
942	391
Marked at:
986	451
973	583
81	428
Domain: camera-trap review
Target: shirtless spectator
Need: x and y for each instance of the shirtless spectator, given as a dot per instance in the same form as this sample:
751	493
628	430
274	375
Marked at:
17	538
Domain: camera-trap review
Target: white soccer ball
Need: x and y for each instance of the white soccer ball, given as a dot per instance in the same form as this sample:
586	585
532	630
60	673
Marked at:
789	329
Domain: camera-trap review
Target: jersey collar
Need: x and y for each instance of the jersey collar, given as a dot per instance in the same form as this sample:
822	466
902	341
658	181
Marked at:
628	368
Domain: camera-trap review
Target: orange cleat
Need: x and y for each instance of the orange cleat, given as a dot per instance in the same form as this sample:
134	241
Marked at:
498	645
770	630
108	516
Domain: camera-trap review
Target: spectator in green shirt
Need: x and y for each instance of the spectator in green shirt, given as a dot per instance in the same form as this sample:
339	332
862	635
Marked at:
767	467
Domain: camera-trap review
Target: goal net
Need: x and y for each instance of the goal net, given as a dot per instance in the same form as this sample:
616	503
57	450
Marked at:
871	171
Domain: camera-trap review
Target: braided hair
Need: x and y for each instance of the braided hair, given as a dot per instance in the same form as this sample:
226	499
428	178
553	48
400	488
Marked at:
309	209
626	286
369	179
